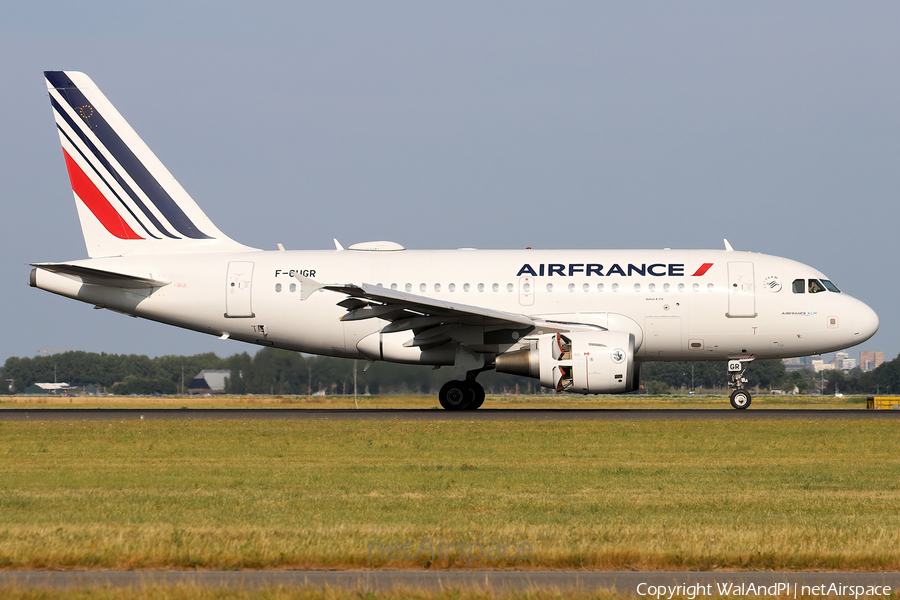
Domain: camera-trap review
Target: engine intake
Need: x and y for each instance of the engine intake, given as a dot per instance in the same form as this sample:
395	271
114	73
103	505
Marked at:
594	362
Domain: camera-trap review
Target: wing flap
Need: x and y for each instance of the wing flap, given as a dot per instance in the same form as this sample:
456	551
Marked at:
407	311
416	305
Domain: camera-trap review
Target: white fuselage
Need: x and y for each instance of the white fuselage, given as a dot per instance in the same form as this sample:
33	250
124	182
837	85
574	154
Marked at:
741	304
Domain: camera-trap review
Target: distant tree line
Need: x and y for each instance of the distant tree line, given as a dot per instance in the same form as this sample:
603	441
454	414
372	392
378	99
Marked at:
271	371
666	377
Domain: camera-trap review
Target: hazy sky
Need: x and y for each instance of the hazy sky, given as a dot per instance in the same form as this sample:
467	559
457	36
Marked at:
480	124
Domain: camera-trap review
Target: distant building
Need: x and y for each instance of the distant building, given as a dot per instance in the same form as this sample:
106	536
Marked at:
839	358
869	359
209	381
820	365
48	389
796	364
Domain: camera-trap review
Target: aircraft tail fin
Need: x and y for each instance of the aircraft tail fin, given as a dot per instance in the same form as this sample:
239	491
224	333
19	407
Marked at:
128	202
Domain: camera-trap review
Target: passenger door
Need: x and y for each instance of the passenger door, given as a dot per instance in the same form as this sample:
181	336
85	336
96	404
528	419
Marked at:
238	289
741	295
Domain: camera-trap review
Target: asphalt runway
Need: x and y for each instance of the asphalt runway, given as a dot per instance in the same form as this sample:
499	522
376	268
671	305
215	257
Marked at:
127	414
632	583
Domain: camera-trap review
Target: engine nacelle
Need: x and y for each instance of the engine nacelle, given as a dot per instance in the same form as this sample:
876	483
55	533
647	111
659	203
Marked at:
592	362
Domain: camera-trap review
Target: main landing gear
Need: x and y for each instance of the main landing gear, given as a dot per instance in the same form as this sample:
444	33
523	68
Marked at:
464	393
740	398
461	395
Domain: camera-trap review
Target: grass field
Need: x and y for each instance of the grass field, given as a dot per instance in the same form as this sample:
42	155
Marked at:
798	494
192	593
414	401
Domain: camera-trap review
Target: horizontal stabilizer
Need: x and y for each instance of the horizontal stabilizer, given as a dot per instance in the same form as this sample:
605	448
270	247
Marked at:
100	277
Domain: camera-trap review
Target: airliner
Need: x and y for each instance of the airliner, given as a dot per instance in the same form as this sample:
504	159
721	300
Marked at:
580	321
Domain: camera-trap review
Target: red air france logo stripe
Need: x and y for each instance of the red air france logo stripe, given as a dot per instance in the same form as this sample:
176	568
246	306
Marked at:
702	270
97	202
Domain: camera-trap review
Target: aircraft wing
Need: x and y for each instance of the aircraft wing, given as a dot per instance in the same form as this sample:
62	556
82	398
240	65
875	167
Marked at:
421	314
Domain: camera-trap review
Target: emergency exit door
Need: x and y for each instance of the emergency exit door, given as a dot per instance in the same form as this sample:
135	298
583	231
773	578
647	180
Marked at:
238	289
526	290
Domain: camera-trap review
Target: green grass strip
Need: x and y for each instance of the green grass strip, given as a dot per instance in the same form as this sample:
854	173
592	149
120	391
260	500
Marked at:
797	494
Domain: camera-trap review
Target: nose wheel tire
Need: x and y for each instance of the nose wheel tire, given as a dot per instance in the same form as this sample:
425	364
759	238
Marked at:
740	399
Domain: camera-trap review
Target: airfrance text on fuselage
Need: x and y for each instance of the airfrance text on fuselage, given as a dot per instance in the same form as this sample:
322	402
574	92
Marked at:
588	269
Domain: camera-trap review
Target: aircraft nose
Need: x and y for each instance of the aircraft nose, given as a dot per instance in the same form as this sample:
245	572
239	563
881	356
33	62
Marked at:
865	322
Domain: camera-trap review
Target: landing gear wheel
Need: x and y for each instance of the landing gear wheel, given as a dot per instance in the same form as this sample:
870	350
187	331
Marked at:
477	395
740	399
455	395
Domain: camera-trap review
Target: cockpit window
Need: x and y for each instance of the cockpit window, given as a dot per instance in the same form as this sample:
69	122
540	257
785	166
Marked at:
815	286
830	286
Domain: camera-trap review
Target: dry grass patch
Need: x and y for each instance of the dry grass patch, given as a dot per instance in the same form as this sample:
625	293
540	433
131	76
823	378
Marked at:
280	593
322	494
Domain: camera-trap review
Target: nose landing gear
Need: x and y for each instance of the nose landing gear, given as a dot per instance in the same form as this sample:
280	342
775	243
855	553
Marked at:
740	398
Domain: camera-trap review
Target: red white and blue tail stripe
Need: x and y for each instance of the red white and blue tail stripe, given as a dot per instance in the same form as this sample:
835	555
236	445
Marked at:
128	202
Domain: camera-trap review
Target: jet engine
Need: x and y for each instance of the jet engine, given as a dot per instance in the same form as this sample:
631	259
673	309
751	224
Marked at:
591	362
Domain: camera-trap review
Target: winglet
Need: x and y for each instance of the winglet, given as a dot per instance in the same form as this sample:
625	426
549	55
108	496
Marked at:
337	245
307	286
728	247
